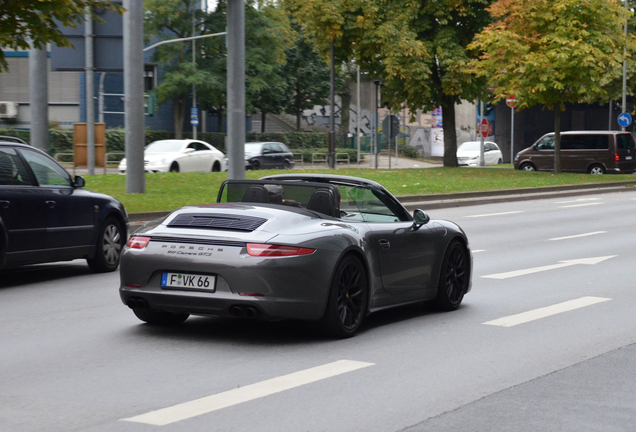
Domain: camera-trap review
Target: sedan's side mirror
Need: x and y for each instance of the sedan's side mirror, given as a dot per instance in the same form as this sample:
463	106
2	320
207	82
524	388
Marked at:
419	218
189	150
78	181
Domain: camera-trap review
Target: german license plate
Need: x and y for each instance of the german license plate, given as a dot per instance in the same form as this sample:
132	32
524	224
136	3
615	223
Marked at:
628	158
187	281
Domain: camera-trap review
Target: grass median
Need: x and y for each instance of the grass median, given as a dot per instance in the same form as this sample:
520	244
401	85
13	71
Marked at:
169	191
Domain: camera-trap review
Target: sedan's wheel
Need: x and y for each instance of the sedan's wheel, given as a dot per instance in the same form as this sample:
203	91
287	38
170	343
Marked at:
152	316
216	167
347	303
597	170
256	165
500	161
174	167
527	167
454	277
110	242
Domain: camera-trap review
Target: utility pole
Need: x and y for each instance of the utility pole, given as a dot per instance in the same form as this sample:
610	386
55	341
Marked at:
134	99
236	89
90	90
38	98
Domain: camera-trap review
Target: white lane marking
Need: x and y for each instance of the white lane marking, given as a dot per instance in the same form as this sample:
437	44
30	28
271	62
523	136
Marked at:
561	264
544	312
494	214
250	392
578	235
581	205
578	200
478	250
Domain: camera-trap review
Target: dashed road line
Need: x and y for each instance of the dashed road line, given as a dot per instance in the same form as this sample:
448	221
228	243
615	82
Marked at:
250	392
578	235
544	312
581	205
494	214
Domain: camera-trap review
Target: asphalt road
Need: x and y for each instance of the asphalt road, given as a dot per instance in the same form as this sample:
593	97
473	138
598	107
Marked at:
545	341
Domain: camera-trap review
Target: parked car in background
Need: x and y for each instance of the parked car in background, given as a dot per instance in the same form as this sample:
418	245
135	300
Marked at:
313	247
468	153
46	215
183	155
268	155
593	152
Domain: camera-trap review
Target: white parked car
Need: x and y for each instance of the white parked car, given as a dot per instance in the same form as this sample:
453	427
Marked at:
183	155
468	153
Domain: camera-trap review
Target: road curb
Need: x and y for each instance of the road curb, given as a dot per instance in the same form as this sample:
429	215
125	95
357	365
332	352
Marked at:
462	199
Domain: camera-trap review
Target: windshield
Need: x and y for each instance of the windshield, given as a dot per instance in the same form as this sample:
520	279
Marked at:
252	149
469	146
166	146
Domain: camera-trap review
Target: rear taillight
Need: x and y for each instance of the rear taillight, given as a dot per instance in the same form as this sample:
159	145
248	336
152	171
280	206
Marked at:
255	249
616	157
138	242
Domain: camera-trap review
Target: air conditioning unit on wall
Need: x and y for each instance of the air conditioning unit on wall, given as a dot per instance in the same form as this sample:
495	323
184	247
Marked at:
8	110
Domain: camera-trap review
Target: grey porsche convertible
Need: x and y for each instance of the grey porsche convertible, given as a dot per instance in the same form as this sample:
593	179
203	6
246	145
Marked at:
326	248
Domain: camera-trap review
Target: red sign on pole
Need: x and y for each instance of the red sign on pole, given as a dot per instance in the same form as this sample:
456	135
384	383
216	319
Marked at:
483	128
511	101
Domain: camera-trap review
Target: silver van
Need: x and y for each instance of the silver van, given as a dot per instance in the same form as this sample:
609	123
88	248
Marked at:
593	152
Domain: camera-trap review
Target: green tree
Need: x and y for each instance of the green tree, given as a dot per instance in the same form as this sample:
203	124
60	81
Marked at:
266	37
36	21
305	75
417	48
553	52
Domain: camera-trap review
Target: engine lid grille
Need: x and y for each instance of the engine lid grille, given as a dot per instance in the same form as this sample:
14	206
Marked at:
218	221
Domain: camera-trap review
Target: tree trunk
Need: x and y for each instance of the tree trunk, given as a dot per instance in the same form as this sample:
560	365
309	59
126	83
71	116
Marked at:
450	133
262	121
298	111
345	105
557	140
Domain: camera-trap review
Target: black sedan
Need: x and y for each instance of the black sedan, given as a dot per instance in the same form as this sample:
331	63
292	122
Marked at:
310	247
46	215
268	155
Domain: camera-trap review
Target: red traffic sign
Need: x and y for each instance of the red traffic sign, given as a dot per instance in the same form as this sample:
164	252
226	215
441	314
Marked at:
511	101
483	128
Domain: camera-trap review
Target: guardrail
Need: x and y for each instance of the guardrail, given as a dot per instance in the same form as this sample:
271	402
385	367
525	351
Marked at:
340	158
323	158
301	159
71	163
318	157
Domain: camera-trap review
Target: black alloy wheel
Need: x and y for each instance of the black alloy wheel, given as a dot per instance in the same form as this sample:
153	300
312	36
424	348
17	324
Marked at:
110	242
347	303
454	278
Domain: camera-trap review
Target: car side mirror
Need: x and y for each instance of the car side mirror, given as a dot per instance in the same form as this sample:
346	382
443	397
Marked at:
189	150
419	218
78	181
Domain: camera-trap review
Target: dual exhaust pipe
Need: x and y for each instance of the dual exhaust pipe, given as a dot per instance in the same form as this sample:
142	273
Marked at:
237	311
241	311
137	303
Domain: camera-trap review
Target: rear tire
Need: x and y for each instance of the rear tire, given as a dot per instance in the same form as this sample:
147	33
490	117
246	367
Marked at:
110	242
216	167
500	161
347	302
527	166
152	316
454	277
596	169
286	165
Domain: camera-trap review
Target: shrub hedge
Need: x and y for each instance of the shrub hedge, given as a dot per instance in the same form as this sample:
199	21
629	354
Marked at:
305	143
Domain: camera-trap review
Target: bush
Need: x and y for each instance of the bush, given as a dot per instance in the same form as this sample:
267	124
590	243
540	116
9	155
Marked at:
409	152
293	140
